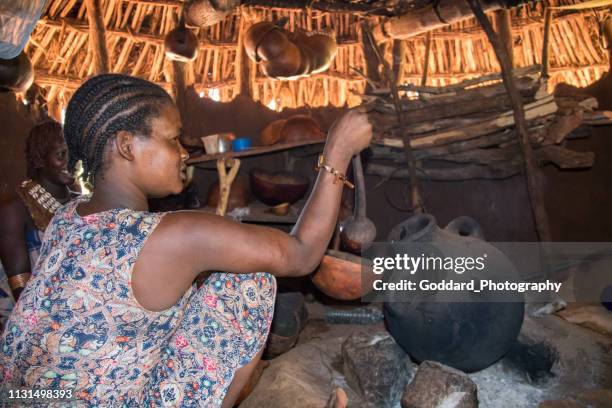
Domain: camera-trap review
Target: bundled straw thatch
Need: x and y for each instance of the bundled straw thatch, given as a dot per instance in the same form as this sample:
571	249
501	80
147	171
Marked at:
135	32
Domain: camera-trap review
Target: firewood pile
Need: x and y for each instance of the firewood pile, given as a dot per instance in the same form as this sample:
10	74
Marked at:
466	131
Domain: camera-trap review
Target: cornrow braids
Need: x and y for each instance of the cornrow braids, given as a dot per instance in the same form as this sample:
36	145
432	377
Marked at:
39	143
101	107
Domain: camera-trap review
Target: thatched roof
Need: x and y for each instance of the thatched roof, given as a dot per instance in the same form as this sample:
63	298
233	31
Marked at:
59	50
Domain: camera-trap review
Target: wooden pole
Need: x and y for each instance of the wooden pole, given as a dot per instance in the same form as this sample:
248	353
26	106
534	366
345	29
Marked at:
241	67
179	85
607	33
531	171
371	61
399	59
427	56
545	46
97	37
434	15
415	196
503	21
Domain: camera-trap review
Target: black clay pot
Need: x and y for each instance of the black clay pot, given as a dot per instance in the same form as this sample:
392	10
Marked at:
468	335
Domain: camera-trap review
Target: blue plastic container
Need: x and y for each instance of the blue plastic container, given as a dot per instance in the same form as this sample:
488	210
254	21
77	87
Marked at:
242	143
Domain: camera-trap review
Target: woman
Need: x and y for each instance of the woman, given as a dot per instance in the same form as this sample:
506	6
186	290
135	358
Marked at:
111	312
24	217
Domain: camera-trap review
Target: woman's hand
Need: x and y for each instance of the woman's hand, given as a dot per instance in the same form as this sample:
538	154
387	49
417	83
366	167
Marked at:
351	133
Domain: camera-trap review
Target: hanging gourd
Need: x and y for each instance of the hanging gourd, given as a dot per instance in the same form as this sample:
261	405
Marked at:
16	74
289	55
181	44
205	13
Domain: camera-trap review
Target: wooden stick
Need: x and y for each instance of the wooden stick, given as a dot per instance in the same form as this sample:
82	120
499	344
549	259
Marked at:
242	63
415	195
329	6
179	86
545	46
438	90
504	30
225	182
97	40
371	62
399	59
430	17
453	109
532	174
537	109
455	173
607	34
428	41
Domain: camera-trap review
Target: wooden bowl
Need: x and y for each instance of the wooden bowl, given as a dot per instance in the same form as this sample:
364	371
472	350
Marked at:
340	276
277	188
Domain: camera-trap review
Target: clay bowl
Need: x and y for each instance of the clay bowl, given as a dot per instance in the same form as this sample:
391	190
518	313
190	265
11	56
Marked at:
277	188
340	276
239	197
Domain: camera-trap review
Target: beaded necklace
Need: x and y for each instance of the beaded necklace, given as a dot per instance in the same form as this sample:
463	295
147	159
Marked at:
42	196
40	203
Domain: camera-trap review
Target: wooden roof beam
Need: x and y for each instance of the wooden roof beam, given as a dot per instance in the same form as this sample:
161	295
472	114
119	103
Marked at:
430	17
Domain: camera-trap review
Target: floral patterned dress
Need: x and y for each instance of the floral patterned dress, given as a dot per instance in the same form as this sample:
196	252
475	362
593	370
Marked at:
78	326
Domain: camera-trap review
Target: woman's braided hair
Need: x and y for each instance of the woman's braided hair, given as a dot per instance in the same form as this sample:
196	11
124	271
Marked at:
103	106
40	141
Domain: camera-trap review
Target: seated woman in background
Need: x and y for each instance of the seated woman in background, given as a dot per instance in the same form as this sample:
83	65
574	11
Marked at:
24	217
111	311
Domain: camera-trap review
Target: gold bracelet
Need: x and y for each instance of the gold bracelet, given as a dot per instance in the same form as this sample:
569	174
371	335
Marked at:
338	176
19	281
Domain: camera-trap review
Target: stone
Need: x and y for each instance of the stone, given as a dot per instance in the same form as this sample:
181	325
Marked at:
376	367
534	361
596	318
306	375
438	386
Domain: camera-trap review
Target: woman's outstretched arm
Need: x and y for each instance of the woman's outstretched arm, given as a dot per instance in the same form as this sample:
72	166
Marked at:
188	242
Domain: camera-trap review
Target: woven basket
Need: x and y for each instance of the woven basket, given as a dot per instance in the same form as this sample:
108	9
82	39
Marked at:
204	13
